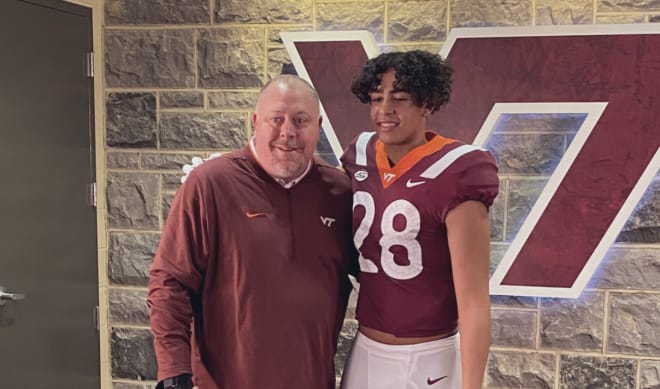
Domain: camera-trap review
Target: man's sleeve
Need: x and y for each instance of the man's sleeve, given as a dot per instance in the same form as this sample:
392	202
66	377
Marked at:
175	278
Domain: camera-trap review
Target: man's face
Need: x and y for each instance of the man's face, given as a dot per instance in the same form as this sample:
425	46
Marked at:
396	118
286	129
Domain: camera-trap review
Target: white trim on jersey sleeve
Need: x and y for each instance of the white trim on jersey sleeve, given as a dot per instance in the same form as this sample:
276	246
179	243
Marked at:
446	160
361	148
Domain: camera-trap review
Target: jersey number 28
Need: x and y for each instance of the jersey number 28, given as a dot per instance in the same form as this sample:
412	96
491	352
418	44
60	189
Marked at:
406	238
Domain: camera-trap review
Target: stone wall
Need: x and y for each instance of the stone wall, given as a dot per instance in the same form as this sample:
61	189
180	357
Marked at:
181	78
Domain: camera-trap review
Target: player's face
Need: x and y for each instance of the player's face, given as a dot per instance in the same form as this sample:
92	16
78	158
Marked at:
286	129
396	118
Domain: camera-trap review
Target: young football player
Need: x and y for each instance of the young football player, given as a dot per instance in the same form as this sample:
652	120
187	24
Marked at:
420	223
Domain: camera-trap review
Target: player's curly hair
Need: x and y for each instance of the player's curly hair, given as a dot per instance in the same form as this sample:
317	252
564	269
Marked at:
426	76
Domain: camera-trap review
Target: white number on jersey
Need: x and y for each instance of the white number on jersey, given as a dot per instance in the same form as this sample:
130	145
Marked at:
365	200
406	238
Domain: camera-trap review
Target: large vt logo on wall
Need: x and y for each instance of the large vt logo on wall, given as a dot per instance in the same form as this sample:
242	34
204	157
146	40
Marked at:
608	76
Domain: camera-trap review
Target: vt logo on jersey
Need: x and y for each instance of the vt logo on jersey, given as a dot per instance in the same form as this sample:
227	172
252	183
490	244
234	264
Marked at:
607	73
388	176
327	221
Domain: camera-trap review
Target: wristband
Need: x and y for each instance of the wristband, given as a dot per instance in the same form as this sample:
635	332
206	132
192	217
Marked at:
182	381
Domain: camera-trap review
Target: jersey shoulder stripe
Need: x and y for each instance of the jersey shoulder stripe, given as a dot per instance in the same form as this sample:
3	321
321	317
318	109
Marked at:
447	160
361	147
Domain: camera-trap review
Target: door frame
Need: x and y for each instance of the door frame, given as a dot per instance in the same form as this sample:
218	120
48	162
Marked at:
96	7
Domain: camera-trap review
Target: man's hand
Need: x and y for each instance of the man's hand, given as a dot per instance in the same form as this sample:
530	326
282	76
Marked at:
195	162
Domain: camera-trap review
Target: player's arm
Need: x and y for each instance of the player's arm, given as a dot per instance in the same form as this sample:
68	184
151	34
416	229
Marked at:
468	232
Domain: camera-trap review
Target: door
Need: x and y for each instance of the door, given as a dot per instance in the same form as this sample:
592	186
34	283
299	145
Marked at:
48	249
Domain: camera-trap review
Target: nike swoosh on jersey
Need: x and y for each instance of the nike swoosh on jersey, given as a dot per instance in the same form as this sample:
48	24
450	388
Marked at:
430	382
411	184
255	214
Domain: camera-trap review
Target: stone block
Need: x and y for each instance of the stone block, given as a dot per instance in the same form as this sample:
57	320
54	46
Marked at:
231	57
573	324
243	100
633	327
132	200
497	251
553	12
620	19
263	11
512	328
278	62
627	5
324	147
425	46
417	21
133	354
344	344
167	204
650	375
514	301
523	194
126	385
521	370
581	372
130	256
122	160
156	12
529	154
165	160
199	131
497	213
273	37
129	306
181	100
149	58
628	268
352	301
643	226
358	15
540	122
486	13
172	181
131	120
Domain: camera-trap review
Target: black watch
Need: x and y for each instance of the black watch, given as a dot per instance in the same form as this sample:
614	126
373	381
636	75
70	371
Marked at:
183	381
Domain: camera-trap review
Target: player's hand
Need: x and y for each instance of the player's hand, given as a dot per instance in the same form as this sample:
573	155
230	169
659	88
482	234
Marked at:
195	162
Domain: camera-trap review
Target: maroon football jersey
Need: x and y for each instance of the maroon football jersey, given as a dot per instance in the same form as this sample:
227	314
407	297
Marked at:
406	285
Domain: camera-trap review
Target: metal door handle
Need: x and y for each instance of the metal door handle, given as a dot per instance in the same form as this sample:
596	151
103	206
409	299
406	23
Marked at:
6	296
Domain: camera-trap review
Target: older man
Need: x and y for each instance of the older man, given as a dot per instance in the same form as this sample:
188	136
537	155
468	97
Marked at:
254	259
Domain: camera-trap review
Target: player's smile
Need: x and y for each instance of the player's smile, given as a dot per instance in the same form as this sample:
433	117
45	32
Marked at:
387	125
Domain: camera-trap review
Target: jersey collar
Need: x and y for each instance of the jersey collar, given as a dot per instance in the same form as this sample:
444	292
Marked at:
389	174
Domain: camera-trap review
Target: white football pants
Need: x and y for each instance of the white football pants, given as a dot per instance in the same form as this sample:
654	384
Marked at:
429	365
